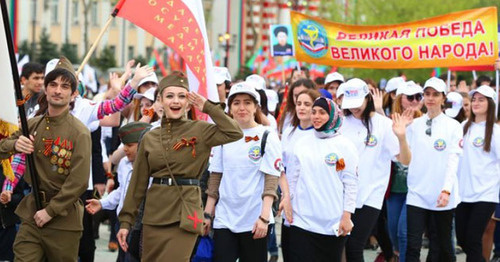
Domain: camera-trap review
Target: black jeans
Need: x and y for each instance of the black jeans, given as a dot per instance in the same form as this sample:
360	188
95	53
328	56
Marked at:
87	247
308	246
471	220
284	240
418	220
229	246
364	219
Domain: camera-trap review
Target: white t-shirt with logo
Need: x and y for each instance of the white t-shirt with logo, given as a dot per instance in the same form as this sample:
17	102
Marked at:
375	156
243	170
479	171
429	159
322	193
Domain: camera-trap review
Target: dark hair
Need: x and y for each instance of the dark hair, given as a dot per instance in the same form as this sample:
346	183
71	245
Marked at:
290	105
257	116
263	101
366	115
444	77
313	94
319	80
65	75
490	123
302	68
31	68
482	78
280	29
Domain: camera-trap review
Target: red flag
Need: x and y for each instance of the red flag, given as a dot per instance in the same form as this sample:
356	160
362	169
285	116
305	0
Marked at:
180	25
160	62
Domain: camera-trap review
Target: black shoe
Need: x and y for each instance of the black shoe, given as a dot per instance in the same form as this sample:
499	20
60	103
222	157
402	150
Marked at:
274	258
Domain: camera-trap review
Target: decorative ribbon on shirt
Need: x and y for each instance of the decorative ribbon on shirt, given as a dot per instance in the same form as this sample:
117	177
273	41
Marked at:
186	143
249	138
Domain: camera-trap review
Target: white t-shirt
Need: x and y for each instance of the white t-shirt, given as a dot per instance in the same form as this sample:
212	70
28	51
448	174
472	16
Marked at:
86	111
321	191
375	156
115	199
479	171
242	183
429	159
272	121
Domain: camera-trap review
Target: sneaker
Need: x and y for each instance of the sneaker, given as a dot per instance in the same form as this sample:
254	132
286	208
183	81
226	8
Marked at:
274	258
112	246
495	258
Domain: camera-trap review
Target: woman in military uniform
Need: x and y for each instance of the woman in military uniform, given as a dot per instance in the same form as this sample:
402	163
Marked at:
186	145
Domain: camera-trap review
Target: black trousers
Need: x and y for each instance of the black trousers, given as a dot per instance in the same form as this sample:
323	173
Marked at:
418	219
364	219
86	249
7	237
382	234
308	246
284	240
229	246
470	222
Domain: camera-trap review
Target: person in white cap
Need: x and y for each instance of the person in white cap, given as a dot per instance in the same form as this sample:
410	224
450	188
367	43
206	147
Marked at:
223	81
259	83
408	97
378	141
146	102
243	182
456	110
390	93
434	140
479	173
332	83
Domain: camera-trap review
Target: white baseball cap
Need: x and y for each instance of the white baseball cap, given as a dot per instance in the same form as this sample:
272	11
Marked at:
334	77
410	88
272	100
244	88
149	94
355	92
456	101
394	84
221	74
341	90
260	82
150	78
485	91
51	65
437	84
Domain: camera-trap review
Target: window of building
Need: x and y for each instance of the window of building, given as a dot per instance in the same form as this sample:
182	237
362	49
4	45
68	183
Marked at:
33	10
75	11
130	52
112	48
54	12
94	13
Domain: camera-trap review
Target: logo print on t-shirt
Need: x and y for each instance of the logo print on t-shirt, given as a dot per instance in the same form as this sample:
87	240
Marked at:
371	141
278	165
331	159
254	153
478	142
440	145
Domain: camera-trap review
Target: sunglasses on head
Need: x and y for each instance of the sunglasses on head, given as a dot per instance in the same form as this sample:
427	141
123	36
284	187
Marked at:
418	97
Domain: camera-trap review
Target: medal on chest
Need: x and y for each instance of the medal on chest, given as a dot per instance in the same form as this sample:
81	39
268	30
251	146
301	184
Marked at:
59	153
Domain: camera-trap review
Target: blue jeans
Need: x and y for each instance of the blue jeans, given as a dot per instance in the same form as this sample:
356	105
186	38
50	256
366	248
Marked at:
272	245
396	222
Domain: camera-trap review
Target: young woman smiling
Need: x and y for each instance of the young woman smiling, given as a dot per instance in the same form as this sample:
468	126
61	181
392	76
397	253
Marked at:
479	173
378	141
243	182
324	188
181	148
434	140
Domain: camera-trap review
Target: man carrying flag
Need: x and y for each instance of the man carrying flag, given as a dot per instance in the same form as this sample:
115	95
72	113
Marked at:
60	145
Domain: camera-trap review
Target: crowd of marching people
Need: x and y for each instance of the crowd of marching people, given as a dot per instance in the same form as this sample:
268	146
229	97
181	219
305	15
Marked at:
336	162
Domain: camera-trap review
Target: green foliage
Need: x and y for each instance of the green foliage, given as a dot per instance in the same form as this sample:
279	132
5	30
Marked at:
105	60
242	73
141	59
25	49
47	50
384	12
70	51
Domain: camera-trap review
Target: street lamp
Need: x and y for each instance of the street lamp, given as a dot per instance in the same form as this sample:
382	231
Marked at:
227	42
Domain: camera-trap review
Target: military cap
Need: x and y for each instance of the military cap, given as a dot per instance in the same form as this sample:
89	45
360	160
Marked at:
66	64
131	132
175	79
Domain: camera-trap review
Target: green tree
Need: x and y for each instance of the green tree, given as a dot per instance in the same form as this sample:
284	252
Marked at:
105	60
46	49
384	12
141	59
25	49
70	51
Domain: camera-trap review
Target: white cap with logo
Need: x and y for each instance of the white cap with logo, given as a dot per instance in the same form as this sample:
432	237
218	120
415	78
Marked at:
485	91
410	88
456	101
436	83
221	74
259	81
394	84
334	77
244	88
354	94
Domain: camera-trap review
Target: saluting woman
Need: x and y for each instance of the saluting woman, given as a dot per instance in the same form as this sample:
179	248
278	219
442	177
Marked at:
479	173
243	181
182	146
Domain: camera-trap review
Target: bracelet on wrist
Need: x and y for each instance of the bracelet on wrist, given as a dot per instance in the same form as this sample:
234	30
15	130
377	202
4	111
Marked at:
207	215
110	175
264	220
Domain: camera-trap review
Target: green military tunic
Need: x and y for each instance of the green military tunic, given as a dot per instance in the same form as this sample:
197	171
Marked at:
163	205
62	148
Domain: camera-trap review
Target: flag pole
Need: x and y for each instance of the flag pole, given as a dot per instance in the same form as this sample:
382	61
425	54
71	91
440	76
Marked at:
94	45
22	114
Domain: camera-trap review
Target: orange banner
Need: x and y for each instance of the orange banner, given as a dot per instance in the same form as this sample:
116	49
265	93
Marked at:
463	38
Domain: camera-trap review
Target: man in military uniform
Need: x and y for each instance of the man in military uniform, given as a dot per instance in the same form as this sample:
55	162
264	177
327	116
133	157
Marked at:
60	145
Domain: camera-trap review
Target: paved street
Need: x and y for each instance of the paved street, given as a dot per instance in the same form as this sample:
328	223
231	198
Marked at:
103	255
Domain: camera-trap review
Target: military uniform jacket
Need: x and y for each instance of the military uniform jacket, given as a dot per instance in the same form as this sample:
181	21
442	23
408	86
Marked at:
62	150
163	204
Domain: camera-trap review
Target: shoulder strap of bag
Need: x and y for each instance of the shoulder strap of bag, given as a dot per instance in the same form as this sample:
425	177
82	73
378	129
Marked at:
263	143
170	170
